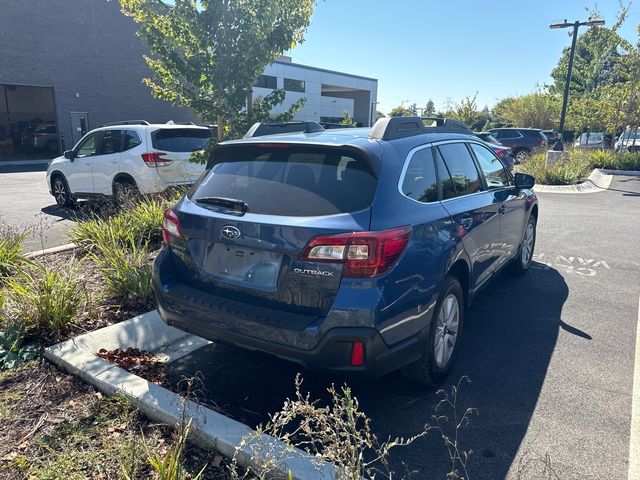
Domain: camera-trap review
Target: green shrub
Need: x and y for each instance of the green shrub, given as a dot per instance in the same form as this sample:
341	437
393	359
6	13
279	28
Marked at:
575	169
126	272
45	300
139	225
10	250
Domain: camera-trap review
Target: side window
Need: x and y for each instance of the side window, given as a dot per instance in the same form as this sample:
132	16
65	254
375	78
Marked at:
89	146
446	183
494	172
131	139
111	142
419	181
461	167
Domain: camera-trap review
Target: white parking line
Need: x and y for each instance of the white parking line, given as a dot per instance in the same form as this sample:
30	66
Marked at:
634	442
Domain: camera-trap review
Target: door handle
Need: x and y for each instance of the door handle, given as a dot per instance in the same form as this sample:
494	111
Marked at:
502	210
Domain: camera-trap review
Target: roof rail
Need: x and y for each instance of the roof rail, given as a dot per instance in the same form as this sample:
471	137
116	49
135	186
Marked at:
126	122
390	128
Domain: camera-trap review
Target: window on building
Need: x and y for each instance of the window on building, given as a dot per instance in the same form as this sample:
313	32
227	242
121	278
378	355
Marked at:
266	81
291	85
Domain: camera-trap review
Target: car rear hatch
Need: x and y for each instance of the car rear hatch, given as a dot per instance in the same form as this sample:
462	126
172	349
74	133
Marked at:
171	150
246	223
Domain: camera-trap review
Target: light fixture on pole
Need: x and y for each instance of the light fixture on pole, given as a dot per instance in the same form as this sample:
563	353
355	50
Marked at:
591	22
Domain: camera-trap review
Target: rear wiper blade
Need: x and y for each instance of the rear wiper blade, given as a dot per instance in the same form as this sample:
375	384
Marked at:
237	206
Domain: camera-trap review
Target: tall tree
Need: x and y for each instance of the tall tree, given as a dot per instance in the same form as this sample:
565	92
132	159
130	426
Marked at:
538	109
207	54
429	108
400	111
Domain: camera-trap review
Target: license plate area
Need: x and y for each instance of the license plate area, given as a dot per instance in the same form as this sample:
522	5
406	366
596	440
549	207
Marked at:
243	266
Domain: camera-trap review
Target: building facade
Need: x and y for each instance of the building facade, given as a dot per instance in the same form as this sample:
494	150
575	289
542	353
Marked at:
68	66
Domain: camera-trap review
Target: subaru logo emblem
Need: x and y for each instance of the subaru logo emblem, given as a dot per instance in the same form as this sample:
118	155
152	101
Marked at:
229	231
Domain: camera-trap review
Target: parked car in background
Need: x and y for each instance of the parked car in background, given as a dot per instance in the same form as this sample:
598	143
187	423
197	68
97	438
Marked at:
260	129
552	137
127	157
501	150
523	141
592	140
628	141
43	136
294	245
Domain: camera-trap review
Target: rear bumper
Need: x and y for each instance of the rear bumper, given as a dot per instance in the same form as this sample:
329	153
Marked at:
332	354
215	319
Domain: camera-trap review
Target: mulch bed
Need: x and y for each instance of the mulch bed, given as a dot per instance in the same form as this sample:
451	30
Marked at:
139	362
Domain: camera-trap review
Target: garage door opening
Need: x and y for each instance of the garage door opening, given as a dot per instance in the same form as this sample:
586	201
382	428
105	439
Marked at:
28	129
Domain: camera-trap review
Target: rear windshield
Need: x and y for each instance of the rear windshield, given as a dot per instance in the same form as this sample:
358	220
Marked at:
290	181
180	139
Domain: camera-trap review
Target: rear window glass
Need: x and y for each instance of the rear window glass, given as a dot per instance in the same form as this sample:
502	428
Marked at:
290	181
420	182
180	139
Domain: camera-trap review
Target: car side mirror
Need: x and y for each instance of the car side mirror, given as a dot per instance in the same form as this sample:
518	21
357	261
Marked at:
524	181
69	155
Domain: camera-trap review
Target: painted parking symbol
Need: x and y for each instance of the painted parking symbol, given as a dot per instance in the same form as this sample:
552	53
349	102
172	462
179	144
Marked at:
585	267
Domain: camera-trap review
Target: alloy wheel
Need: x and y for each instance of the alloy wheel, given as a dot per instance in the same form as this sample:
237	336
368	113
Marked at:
60	192
446	330
527	244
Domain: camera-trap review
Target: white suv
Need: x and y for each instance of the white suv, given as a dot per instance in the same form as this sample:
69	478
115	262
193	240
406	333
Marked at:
129	156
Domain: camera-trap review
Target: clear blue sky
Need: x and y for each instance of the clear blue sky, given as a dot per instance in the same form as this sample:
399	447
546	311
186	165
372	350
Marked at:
421	49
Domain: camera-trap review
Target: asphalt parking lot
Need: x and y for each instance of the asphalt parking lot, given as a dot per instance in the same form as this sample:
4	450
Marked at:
25	203
550	356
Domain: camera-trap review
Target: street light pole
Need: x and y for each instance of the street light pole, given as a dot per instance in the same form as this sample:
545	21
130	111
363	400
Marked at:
565	99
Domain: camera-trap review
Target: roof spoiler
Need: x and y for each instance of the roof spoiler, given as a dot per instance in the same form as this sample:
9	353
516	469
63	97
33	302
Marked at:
390	128
309	127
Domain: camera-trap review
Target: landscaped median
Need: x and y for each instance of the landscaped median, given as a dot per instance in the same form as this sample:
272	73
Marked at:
588	169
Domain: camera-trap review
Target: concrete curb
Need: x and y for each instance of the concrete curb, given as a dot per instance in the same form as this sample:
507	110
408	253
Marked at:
598	181
19	163
61	248
209	428
628	173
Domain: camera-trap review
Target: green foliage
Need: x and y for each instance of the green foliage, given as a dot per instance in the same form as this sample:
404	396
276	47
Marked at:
400	111
45	300
169	465
10	250
538	109
261	111
207	54
347	120
578	166
429	109
126	270
140	224
13	350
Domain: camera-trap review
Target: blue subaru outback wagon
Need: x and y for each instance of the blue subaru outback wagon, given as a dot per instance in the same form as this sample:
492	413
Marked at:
353	250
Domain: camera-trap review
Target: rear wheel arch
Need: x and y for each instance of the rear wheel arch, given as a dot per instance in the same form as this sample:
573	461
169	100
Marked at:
460	270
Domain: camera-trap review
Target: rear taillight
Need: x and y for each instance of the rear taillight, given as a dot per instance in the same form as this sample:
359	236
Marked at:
357	354
502	152
364	254
155	159
171	227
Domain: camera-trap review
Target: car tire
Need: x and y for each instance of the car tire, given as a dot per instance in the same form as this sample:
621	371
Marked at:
521	263
521	155
61	192
125	192
444	337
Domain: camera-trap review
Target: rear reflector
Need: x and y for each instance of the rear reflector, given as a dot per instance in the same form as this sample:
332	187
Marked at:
365	254
155	159
357	354
171	227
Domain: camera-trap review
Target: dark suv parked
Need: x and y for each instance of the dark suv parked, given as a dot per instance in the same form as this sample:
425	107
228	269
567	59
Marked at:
523	141
352	251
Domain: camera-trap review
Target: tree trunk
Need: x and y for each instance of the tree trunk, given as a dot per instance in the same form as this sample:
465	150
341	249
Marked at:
220	127
249	101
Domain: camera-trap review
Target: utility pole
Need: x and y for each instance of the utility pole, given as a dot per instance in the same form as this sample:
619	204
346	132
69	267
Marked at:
592	22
